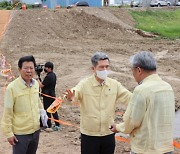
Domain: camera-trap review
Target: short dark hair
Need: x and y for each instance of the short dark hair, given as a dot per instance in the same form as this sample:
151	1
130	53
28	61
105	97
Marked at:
26	59
49	65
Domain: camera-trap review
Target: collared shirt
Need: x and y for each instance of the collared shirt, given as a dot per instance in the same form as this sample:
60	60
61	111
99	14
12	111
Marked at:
149	117
31	83
97	104
102	84
21	109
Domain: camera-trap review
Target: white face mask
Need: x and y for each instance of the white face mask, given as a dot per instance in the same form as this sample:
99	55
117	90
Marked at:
102	74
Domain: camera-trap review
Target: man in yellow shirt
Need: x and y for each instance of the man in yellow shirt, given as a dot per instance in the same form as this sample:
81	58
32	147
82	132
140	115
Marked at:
22	110
97	96
150	113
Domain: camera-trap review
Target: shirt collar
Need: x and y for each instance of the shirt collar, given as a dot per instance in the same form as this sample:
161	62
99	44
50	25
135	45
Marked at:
102	84
96	83
25	83
150	77
140	82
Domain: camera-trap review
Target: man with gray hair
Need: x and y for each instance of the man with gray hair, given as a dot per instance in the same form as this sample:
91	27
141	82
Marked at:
150	113
97	96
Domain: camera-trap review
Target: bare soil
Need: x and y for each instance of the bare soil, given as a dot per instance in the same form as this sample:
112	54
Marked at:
68	38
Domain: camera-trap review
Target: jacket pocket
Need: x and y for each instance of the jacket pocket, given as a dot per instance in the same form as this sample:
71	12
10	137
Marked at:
109	120
91	123
20	119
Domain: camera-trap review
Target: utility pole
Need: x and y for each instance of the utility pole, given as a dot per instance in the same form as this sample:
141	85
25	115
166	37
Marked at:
122	2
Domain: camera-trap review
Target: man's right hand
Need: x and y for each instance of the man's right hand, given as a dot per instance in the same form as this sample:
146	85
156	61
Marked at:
113	128
12	140
70	95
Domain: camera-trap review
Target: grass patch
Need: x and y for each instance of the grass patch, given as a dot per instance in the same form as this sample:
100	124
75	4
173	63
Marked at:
164	22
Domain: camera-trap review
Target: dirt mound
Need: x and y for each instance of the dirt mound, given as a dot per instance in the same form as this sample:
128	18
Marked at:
42	28
69	38
4	16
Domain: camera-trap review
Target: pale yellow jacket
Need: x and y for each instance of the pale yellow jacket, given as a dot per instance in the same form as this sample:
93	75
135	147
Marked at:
149	117
97	104
21	113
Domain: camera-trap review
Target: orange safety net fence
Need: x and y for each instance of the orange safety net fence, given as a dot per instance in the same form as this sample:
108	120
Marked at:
64	122
6	72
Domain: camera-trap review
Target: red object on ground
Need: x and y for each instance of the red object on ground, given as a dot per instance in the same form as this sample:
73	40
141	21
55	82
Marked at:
24	7
45	6
58	7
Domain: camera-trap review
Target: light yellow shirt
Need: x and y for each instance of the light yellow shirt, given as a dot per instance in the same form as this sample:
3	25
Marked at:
21	113
149	117
97	104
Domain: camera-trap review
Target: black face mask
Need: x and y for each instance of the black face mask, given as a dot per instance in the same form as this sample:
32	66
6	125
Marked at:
45	70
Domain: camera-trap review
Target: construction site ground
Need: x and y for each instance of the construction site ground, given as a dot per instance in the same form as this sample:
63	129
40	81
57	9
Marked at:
68	38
